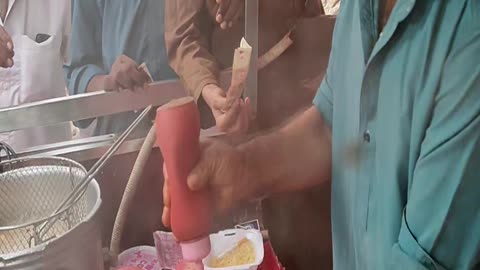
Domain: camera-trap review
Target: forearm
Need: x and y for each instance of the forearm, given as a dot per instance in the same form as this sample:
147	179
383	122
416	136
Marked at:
297	156
187	45
97	83
85	47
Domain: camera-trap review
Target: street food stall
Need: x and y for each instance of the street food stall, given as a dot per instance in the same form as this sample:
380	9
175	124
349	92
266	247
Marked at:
83	238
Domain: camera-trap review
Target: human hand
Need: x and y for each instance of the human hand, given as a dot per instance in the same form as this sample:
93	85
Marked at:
6	49
223	170
228	11
126	74
234	119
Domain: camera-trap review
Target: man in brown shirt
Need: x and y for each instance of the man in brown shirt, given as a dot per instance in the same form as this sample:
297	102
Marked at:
188	34
198	49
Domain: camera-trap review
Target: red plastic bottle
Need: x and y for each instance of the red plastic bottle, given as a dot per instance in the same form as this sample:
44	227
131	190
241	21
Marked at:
178	130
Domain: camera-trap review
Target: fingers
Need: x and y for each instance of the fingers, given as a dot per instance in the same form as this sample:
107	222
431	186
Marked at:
223	9
5	38
242	122
198	178
165	175
228	12
133	79
139	77
166	199
248	109
166	193
127	75
124	80
239	122
223	201
219	102
219	16
227	120
6	57
214	96
231	13
241	126
6	49
109	84
166	217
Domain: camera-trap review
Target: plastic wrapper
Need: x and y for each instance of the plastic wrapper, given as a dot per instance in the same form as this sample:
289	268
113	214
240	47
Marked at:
167	255
143	257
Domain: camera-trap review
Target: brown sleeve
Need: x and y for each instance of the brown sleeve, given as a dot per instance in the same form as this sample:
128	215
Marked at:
187	44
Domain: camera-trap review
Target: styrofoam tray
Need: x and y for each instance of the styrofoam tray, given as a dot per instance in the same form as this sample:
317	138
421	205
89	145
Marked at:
224	241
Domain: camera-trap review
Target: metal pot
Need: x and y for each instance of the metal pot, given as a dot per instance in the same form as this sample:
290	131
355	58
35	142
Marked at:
73	245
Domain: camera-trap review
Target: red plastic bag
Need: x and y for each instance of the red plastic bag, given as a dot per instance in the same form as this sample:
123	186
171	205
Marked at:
270	259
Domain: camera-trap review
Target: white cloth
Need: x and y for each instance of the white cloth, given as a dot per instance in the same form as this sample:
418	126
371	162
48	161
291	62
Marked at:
331	6
37	73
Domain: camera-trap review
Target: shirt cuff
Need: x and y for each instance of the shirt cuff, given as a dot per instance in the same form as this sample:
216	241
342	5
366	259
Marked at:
83	78
196	75
408	254
198	91
323	101
79	84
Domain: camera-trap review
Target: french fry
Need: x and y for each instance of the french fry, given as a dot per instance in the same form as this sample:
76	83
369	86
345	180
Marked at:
241	64
144	67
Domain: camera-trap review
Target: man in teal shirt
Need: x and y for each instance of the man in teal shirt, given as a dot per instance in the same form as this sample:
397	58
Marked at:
396	125
110	39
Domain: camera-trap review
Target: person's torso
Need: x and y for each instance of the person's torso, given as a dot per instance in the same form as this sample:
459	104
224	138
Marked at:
135	28
37	73
282	91
29	18
276	18
383	87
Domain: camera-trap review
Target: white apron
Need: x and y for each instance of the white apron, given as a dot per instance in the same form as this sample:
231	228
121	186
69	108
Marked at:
37	75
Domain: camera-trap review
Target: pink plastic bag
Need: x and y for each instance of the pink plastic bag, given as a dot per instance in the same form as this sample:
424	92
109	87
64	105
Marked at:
168	250
143	257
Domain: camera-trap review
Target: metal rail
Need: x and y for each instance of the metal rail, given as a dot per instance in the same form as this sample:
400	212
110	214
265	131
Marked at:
85	106
92	148
90	105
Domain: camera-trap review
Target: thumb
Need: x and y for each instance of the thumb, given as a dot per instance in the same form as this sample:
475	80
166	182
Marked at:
109	84
249	109
219	101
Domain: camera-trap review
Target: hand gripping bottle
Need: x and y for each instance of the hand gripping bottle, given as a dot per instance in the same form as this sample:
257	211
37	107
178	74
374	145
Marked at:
178	130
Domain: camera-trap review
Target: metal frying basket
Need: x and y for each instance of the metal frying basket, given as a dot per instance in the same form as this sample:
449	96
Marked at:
30	191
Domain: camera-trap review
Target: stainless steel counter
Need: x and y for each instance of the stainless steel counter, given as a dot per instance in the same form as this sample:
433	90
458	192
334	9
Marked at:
112	180
85	106
114	176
